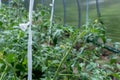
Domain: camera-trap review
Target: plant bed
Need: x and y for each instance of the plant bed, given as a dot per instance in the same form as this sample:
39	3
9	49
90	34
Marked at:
66	56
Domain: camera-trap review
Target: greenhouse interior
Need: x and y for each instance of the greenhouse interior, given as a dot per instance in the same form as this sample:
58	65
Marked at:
59	40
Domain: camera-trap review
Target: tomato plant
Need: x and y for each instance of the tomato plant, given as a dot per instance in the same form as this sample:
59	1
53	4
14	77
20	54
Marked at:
68	56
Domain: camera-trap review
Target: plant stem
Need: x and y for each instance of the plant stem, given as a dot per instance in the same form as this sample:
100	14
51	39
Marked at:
63	59
9	65
72	75
51	19
75	39
2	75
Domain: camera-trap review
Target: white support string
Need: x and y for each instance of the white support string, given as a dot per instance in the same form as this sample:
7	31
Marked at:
0	3
30	41
51	18
87	12
24	26
52	13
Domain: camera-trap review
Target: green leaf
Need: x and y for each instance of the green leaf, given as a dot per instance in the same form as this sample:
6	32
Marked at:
44	68
116	75
118	66
84	76
91	66
113	61
10	57
55	61
42	13
24	61
1	65
1	23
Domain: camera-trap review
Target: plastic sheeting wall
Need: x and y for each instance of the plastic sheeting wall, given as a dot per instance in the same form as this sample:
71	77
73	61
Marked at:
110	13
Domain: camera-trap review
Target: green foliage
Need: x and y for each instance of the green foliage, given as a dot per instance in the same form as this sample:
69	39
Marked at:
68	55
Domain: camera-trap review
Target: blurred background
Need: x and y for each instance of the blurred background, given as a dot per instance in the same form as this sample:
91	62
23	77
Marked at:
109	9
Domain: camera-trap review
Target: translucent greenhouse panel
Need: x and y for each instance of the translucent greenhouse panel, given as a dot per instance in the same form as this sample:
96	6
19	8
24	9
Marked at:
72	15
111	18
26	3
70	9
59	11
72	12
110	14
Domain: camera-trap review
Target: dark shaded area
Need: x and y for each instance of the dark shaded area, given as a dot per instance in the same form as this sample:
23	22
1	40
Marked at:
37	74
112	49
